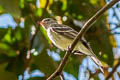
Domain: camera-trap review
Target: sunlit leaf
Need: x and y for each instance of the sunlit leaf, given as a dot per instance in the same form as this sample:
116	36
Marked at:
1	9
45	34
93	2
21	3
42	3
38	12
64	4
7	37
18	36
112	40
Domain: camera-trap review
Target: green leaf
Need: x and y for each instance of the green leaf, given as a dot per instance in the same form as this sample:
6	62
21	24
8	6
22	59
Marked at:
17	64
4	58
93	2
45	35
18	36
44	63
100	42
11	7
5	75
7	49
72	66
3	31
7	38
38	12
1	9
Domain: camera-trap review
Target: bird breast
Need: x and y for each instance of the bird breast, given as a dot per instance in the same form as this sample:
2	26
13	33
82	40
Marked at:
58	40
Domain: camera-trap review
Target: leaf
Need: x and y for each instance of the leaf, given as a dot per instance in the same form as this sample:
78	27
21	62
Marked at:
100	42
45	35
72	66
38	12
5	75
64	7
7	38
3	31
93	2
1	9
4	58
112	41
58	9
18	63
75	8
11	7
44	63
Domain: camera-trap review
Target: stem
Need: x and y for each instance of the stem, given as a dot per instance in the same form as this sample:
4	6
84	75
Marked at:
113	70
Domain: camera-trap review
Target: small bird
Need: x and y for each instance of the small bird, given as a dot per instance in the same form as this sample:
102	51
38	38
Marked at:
63	35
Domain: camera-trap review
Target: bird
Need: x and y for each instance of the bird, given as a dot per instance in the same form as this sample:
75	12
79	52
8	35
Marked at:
62	36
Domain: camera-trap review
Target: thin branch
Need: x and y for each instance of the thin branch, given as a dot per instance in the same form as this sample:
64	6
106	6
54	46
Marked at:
116	14
44	11
113	70
28	56
79	36
62	77
92	75
116	33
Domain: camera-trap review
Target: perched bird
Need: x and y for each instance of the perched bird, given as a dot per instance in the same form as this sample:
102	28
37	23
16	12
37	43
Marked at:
63	35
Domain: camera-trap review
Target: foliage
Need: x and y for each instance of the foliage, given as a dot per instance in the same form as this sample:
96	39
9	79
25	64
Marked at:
15	42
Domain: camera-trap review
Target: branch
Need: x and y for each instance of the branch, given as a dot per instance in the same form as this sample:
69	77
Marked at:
44	11
113	70
62	77
116	33
115	14
28	55
37	29
85	27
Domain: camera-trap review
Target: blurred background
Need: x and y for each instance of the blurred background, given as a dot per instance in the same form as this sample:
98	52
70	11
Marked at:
26	53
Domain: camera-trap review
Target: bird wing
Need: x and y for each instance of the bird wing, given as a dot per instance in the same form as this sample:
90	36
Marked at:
64	30
68	32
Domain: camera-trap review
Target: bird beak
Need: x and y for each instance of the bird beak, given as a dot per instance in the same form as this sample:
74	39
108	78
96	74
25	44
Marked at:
41	22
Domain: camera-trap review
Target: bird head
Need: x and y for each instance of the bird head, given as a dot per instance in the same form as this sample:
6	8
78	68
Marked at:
47	22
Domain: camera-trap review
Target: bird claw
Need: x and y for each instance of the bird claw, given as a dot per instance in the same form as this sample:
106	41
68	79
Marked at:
69	50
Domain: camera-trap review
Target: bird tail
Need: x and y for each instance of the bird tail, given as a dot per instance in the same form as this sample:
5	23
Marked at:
94	58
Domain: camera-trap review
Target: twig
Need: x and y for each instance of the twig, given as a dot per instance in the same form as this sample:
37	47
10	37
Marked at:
113	70
79	36
28	56
62	77
116	33
116	14
38	24
37	29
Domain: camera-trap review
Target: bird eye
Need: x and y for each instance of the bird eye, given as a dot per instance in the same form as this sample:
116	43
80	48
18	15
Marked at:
48	20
